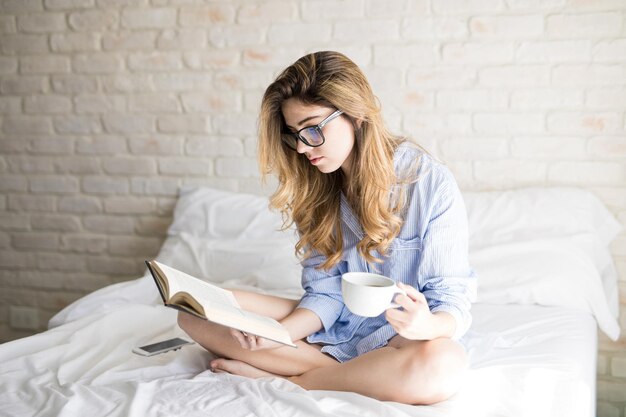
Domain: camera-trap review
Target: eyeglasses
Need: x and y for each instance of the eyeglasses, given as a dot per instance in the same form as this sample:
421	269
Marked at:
309	135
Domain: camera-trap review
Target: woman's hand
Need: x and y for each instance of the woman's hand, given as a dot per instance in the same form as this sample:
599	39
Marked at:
252	342
415	322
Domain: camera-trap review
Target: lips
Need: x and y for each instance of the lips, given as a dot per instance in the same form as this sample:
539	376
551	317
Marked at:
314	161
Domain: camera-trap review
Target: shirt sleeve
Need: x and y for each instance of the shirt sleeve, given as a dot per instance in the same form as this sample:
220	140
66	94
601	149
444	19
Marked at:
322	290
444	274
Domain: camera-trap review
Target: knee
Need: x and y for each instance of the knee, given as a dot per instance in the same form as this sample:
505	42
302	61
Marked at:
434	373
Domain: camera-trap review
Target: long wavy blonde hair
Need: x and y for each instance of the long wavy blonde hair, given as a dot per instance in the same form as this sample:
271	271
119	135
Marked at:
311	198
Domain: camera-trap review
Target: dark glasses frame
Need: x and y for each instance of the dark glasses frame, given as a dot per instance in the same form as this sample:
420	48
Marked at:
318	129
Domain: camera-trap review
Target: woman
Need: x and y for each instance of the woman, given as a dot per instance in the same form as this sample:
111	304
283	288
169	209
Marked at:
362	200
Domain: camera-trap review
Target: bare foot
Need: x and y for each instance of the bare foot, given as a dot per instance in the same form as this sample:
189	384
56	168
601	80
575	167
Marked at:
236	367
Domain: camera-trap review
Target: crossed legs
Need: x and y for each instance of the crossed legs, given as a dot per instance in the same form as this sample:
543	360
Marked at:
407	371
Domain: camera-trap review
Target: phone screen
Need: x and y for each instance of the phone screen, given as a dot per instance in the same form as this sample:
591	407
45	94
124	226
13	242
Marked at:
155	347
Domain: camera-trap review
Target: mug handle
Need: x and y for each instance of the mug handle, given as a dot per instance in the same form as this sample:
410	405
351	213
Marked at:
398	290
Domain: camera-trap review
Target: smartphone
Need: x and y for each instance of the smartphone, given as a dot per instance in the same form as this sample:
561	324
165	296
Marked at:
161	347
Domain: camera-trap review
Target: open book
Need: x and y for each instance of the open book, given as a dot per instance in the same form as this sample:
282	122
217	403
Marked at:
184	292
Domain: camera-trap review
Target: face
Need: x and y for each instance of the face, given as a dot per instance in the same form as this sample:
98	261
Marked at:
336	151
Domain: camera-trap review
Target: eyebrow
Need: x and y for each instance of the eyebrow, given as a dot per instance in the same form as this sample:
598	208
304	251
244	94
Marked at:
306	119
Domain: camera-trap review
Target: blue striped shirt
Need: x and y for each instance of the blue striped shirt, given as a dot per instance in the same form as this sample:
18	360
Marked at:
430	254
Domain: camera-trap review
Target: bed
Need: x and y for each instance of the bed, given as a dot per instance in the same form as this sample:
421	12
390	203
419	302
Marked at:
546	284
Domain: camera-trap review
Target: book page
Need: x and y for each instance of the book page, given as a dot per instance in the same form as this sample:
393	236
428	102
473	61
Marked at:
205	293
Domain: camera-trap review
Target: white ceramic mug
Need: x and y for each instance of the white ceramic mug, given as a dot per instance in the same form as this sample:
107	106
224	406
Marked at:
367	294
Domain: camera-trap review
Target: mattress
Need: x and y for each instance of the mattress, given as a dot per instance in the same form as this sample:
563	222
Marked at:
525	360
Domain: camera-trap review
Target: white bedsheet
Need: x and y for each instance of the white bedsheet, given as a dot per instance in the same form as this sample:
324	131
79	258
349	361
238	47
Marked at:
525	361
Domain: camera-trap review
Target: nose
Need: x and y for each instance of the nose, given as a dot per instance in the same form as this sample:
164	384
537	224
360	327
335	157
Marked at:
302	147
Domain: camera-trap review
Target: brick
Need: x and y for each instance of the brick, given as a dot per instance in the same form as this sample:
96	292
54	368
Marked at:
236	167
211	59
474	148
129	165
157	145
231	36
441	77
320	10
155	186
606	98
235	124
153	226
24	84
535	4
618	246
390	8
605	409
181	39
98	63
554	51
129	205
14	124
105	4
373	30
265	56
77	125
611	391
477	53
584	25
155	61
13	183
206	15
126	123
22	44
16	260
127	83
61	262
613	50
21	203
602	364
134	246
405	56
8	65
583	122
211	102
614	197
74	84
99	145
618	367
506	27
94	20
47	104
299	33
48	64
506	173
51	145
20	6
68	4
105	185
586	173
428	123
228	184
42	22
79	204
213	146
546	98
10	105
5	243
431	28
466	6
545	147
84	243
472	99
515	76
99	104
8	24
74	42
183	82
154	103
609	147
510	122
270	11
406	100
128	41
148	18
252	100
55	184
77	165
26	164
185	166
109	224
183	124
388	80
115	265
35	240
241	79
61	223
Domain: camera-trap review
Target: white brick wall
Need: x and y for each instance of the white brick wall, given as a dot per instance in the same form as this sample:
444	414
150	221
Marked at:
108	106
